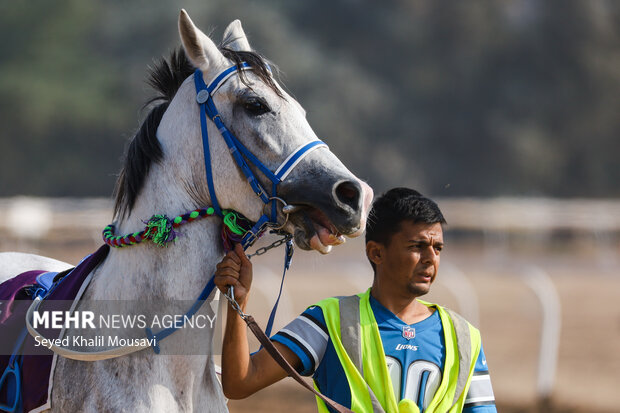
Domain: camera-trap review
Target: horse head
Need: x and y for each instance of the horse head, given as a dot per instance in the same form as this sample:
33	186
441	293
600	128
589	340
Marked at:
325	200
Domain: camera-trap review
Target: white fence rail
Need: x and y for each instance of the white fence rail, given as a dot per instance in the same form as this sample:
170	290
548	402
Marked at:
34	217
532	214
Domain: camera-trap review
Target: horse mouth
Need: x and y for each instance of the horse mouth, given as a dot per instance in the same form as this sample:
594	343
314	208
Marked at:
313	230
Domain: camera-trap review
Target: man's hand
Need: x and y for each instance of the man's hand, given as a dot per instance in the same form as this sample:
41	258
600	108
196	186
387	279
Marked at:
235	269
243	375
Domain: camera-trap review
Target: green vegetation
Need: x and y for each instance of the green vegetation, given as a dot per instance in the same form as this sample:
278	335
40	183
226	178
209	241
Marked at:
475	98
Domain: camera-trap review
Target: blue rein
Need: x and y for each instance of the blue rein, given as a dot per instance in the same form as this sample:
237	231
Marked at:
204	98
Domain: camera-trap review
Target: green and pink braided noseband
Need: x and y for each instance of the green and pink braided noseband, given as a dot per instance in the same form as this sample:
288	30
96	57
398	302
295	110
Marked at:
160	229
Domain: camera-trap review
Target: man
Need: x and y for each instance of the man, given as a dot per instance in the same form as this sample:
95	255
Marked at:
382	350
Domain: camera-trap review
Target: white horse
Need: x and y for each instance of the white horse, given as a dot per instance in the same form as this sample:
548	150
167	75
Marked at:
165	174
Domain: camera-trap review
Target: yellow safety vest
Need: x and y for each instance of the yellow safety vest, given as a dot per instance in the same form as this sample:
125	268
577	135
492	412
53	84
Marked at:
355	335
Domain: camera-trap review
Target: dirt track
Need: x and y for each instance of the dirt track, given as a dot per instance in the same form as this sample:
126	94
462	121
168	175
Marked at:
588	284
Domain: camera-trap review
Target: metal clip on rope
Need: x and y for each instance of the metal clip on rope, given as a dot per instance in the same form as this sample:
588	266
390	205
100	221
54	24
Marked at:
234	304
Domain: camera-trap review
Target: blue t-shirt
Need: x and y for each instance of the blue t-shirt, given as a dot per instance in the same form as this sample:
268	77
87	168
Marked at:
415	356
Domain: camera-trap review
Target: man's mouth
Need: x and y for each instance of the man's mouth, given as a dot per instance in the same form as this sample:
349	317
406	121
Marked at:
425	276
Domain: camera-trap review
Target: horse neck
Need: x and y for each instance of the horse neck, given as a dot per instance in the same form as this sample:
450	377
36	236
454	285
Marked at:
178	271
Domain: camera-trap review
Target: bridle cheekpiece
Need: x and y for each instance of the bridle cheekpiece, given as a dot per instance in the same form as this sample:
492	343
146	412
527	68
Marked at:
204	97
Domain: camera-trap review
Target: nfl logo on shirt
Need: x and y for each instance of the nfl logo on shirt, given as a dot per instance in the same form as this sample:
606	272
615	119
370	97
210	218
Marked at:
408	332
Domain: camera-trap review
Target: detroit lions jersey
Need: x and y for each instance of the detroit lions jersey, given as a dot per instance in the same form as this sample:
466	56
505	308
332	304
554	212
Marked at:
414	353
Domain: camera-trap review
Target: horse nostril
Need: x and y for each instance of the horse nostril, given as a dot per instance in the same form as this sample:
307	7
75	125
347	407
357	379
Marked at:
349	193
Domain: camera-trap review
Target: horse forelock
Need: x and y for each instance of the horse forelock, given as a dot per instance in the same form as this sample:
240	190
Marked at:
259	65
144	149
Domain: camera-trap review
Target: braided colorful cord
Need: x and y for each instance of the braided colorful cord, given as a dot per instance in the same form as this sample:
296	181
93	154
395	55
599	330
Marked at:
159	229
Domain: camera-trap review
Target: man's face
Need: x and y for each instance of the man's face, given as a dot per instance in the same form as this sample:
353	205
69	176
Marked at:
411	260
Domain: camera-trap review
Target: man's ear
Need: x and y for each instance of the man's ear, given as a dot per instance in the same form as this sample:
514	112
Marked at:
374	252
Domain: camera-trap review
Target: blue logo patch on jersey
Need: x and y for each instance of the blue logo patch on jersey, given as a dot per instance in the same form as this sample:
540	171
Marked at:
408	332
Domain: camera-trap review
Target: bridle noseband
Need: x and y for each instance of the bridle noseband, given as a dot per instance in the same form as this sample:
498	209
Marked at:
204	97
159	228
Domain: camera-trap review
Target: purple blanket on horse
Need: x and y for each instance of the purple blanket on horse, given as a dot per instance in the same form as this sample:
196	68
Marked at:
36	369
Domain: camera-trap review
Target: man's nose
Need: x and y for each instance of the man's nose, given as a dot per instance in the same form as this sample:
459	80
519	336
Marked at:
429	255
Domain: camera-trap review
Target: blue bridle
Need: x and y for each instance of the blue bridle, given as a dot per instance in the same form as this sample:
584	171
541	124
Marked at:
204	97
240	153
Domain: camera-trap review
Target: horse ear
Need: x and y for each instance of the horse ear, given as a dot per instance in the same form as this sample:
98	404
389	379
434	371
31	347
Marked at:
235	39
199	48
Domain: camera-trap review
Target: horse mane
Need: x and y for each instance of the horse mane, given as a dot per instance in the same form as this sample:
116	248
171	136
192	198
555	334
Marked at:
144	149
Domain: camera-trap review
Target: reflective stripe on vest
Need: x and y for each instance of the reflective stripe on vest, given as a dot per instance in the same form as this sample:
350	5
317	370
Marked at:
357	341
350	335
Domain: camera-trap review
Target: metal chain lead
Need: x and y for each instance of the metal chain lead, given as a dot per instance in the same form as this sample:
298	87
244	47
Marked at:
231	290
274	244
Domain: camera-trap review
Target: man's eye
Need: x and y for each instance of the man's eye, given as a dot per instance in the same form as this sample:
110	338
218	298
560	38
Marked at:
256	106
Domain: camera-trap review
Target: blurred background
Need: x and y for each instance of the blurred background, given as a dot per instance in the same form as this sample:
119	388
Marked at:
505	112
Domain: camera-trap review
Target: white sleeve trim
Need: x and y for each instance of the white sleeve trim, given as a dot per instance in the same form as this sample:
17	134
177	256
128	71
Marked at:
313	325
304	343
480	389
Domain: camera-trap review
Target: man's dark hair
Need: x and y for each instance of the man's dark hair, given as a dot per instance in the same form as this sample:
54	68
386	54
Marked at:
395	206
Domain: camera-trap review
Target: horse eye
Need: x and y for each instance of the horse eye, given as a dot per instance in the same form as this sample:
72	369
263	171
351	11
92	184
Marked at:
256	106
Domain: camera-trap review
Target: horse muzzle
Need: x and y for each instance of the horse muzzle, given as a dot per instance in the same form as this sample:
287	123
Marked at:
320	218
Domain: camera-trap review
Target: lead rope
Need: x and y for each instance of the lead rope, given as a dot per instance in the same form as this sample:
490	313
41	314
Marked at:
277	356
288	258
